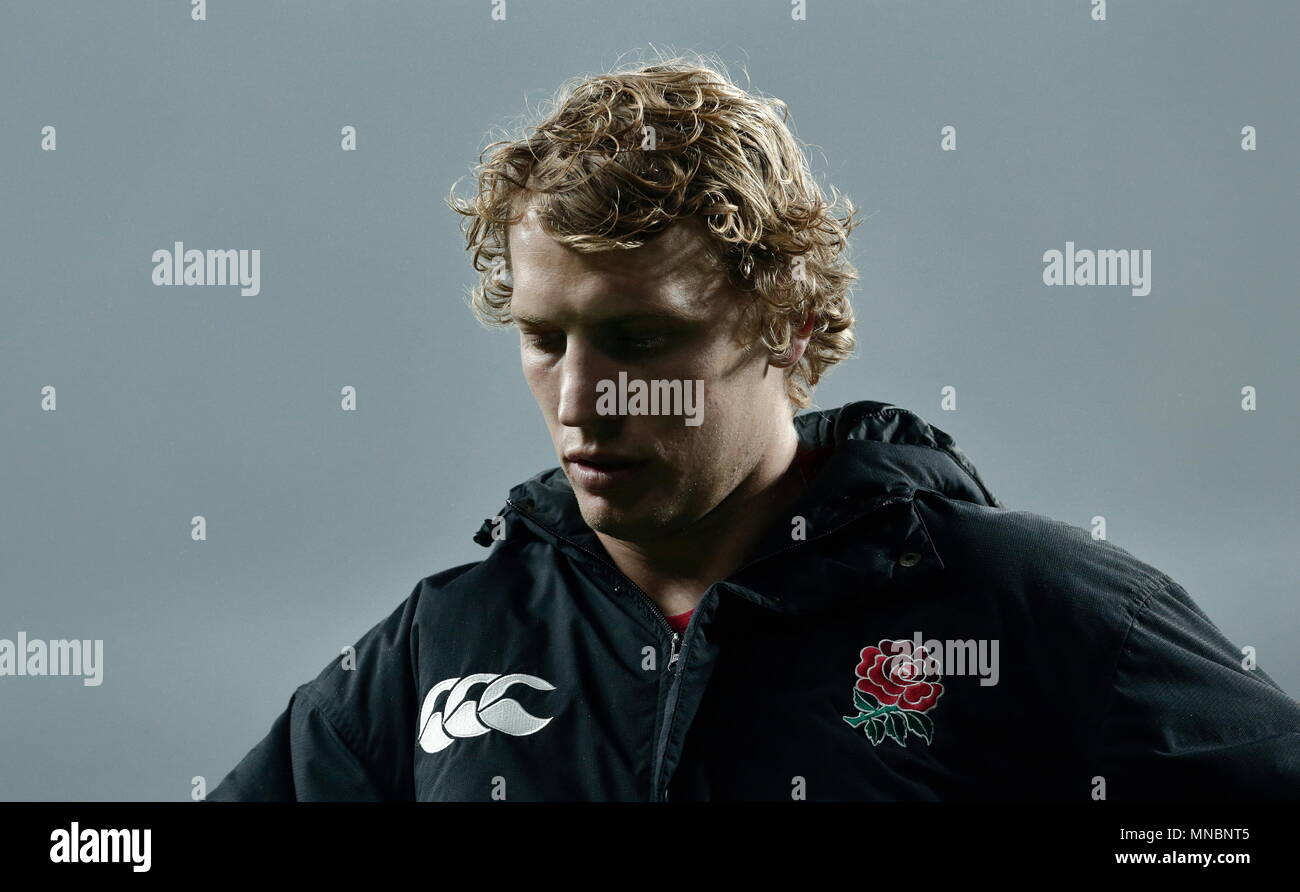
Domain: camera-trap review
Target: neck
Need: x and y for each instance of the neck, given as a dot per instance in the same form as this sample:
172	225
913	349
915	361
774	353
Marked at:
677	569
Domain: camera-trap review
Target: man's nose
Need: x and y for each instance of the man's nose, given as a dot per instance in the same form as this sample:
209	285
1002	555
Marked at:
581	370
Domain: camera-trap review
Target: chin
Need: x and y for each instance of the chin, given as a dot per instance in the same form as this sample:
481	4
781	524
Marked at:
630	525
603	518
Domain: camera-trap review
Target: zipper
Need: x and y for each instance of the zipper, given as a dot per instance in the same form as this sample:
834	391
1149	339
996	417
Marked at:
674	651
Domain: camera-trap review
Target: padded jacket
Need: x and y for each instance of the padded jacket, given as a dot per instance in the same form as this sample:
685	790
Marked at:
900	635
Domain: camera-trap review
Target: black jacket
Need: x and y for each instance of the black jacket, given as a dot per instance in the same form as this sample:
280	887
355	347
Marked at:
544	673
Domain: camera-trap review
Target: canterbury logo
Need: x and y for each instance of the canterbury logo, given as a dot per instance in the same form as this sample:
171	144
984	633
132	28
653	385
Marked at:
469	718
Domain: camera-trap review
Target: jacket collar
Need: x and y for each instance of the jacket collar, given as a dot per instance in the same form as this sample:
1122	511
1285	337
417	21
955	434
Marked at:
871	454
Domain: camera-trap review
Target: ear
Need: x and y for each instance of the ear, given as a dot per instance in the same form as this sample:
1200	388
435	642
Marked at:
798	344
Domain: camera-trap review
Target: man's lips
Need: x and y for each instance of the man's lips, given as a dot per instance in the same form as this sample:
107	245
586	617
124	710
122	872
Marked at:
602	461
599	472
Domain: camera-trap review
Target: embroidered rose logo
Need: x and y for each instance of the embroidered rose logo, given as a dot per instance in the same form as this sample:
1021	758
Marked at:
896	688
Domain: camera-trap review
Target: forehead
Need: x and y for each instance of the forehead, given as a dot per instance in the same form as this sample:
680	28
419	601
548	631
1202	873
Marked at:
672	274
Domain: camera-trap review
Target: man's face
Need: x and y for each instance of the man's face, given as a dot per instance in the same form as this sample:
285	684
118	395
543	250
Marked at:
659	312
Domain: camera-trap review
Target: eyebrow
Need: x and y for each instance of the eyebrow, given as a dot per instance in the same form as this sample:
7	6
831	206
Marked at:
614	320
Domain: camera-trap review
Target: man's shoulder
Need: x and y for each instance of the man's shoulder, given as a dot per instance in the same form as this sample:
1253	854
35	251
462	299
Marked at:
505	571
450	581
1044	562
385	647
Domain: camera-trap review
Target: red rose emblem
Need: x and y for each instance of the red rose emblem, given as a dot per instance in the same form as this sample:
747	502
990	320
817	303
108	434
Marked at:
895	676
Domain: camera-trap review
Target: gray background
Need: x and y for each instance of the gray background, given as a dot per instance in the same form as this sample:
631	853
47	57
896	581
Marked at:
225	134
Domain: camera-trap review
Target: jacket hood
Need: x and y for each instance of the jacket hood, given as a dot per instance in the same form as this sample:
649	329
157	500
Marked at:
872	452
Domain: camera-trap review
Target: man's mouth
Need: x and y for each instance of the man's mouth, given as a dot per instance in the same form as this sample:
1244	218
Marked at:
600	472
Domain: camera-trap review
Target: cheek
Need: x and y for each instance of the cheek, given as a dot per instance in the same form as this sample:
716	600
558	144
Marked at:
730	371
704	452
541	383
733	387
538	380
734	392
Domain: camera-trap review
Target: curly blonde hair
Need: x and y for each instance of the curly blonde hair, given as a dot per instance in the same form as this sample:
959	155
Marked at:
623	155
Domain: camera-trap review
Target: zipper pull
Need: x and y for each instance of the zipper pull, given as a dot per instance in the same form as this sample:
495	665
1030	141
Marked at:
672	656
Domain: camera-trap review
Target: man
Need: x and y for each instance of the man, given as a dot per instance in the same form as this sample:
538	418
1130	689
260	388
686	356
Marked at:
713	598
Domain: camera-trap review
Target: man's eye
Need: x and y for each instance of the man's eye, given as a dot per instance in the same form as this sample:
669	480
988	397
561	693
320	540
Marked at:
641	344
544	343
